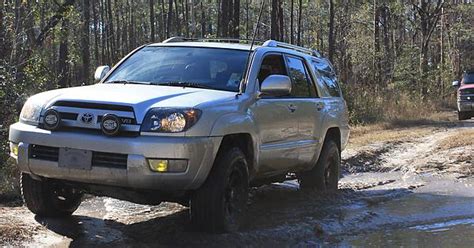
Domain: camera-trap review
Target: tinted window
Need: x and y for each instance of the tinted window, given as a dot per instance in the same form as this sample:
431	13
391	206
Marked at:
215	68
468	78
271	65
302	85
327	79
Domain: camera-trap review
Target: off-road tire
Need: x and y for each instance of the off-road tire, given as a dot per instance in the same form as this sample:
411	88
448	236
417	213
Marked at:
220	203
325	174
48	199
463	116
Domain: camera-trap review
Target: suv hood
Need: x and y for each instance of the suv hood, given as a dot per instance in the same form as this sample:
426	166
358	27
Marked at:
466	86
140	97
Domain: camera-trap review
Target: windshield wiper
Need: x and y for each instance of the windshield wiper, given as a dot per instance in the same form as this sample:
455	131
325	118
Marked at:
184	84
126	82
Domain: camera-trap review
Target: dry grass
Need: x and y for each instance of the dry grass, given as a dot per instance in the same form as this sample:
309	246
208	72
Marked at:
12	230
400	129
459	139
364	135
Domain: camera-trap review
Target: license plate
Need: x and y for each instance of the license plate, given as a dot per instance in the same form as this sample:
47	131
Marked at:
75	159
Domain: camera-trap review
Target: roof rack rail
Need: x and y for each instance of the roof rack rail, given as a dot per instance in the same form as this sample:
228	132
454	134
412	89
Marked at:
178	39
274	43
230	40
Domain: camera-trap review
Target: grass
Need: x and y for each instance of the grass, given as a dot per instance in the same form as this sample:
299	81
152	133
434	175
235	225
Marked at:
12	230
459	139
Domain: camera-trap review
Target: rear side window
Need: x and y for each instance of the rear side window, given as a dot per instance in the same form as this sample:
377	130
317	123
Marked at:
327	78
302	85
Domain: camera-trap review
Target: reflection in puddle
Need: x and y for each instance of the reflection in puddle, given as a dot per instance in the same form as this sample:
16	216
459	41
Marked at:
457	233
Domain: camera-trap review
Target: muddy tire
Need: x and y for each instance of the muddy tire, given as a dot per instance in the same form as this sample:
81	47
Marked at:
48	199
463	116
220	204
325	174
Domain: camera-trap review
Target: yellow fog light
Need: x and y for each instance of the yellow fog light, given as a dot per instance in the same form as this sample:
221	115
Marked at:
168	165
158	165
14	149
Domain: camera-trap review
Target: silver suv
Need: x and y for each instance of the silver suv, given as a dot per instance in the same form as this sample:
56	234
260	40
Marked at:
195	122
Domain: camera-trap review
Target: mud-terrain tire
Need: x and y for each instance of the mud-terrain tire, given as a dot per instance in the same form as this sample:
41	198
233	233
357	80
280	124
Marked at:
325	174
463	116
48	199
220	203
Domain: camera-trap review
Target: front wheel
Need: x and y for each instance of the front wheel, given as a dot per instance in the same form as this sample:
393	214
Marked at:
48	199
463	116
219	205
325	174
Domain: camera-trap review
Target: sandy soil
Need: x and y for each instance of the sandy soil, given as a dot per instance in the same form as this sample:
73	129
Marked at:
411	186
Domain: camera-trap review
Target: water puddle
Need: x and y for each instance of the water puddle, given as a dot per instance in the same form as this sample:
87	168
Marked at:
458	233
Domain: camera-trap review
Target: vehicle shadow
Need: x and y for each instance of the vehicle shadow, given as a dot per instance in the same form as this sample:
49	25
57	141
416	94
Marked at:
278	213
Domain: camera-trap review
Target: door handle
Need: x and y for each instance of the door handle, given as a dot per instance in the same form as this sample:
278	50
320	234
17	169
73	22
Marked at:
319	106
292	108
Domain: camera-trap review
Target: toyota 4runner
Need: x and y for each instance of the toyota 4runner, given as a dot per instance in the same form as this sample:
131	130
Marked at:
195	122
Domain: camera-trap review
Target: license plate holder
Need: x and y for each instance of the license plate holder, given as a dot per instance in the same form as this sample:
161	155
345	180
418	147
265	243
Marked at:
71	158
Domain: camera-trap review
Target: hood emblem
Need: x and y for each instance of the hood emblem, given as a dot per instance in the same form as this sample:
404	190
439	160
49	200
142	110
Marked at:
87	118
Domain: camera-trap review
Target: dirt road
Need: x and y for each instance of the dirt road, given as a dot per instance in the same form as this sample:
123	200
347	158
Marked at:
403	186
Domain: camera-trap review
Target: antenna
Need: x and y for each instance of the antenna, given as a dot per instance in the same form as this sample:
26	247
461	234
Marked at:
251	44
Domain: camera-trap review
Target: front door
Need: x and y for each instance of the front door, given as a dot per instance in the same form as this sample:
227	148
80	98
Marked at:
277	124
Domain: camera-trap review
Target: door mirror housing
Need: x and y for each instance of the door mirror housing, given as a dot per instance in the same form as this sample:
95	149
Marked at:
276	85
456	83
100	72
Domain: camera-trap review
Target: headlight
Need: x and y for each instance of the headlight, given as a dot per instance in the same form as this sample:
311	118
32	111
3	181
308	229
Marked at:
31	111
167	120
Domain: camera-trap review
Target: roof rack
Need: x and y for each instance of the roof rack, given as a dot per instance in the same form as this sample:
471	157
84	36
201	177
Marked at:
229	40
274	43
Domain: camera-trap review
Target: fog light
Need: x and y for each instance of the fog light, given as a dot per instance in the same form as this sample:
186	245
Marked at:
162	165
158	165
14	148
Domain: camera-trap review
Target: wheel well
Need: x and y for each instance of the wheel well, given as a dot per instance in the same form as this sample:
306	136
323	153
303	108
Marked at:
245	143
334	134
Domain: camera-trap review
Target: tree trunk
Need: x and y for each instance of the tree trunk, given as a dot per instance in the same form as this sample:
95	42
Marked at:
292	17
85	42
331	36
236	19
63	67
300	16
169	18
152	20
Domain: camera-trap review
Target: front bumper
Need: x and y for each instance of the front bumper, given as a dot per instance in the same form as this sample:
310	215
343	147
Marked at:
465	106
199	151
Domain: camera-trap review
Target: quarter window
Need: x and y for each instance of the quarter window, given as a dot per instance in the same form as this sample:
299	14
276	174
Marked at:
302	85
327	78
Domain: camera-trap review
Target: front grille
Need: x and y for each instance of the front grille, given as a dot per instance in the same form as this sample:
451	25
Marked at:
99	159
71	113
44	153
90	105
68	116
109	160
467	91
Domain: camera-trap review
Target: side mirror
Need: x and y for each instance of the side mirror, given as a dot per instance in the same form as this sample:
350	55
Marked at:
456	83
100	72
276	85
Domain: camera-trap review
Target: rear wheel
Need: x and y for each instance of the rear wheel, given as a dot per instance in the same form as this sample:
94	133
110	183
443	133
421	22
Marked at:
325	174
463	116
220	203
49	199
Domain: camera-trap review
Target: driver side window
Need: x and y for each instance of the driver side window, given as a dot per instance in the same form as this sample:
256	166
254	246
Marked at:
272	65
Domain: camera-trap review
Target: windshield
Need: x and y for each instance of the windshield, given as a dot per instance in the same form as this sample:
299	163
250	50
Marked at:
213	68
468	78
